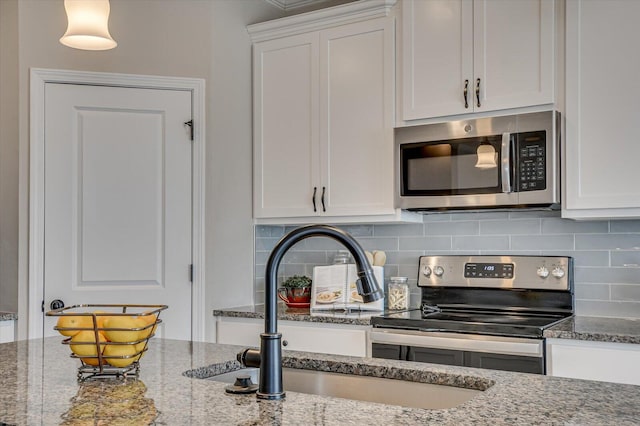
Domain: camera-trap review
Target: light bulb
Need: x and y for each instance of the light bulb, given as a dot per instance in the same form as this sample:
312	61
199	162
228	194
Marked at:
88	25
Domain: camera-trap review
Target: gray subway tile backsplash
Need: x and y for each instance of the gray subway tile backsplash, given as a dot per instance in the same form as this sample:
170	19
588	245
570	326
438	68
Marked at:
542	242
625	258
606	253
612	241
510	227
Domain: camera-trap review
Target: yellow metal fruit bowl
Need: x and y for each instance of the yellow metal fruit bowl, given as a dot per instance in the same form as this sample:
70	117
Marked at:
109	340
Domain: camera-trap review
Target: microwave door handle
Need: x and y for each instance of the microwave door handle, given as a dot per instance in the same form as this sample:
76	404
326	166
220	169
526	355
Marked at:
506	162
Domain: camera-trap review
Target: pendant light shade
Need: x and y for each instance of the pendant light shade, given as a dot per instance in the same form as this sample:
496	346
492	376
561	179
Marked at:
88	25
487	157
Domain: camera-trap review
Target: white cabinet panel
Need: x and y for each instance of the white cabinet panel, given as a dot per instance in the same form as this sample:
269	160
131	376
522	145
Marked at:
7	331
513	53
437	57
296	336
465	56
324	117
357	118
603	361
602	93
286	86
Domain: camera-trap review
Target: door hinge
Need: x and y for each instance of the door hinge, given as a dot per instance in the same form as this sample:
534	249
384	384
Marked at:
190	125
191	273
42	306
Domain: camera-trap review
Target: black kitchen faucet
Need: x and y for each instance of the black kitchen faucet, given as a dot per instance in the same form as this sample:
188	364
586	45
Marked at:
269	357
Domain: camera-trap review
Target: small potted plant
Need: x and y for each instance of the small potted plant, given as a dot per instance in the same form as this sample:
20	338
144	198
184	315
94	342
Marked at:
296	291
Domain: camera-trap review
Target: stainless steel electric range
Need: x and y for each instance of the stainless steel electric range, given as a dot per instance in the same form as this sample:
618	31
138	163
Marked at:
480	311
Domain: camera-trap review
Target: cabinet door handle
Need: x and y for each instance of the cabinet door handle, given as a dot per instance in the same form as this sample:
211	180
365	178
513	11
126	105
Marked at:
322	199
466	91
478	92
313	199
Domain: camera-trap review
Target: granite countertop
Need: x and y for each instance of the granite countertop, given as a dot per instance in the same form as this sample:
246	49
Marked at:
291	314
619	330
8	316
40	387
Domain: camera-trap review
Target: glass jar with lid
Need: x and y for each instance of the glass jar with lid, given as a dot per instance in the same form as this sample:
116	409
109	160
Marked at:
342	257
398	293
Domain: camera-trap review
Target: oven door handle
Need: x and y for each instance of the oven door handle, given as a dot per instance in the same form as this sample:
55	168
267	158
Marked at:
458	341
505	162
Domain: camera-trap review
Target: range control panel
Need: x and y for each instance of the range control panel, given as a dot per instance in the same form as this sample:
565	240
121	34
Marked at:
488	270
525	272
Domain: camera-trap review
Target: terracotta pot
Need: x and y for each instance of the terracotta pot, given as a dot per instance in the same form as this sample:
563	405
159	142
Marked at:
295	295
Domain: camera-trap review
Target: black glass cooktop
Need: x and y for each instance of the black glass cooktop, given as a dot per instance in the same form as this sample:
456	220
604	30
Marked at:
470	321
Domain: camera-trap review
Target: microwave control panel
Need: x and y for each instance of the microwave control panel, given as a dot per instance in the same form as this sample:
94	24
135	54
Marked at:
531	170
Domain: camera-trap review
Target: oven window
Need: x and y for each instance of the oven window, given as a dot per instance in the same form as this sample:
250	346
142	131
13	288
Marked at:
461	166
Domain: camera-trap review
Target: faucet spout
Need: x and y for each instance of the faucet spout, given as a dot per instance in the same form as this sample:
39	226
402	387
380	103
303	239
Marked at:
270	386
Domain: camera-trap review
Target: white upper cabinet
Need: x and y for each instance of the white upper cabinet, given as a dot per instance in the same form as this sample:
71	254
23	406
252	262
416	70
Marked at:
323	117
602	97
286	133
466	56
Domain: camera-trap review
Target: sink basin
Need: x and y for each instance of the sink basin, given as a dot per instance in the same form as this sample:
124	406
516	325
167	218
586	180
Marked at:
363	388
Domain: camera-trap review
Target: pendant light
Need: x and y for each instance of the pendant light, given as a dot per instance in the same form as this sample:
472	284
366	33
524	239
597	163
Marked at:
88	25
487	157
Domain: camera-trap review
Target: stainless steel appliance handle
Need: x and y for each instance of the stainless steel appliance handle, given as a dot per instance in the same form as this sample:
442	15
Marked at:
505	162
459	341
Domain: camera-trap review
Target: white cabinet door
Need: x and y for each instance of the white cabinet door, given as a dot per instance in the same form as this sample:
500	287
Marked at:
513	47
437	57
602	97
603	361
323	123
286	166
336	339
464	56
356	116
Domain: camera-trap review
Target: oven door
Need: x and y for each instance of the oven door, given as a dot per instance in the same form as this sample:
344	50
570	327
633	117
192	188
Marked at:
469	350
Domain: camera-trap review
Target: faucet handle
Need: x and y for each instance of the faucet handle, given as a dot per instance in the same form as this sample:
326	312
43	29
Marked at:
249	357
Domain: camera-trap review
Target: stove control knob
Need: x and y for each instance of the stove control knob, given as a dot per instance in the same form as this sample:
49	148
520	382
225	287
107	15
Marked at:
426	271
558	272
542	272
438	270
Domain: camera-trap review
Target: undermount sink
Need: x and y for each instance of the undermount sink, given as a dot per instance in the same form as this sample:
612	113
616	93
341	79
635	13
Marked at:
363	388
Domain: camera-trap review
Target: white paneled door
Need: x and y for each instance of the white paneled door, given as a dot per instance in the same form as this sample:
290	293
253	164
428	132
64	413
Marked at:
117	199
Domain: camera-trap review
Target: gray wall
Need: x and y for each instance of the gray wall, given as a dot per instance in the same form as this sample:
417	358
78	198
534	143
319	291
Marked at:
184	38
606	253
9	155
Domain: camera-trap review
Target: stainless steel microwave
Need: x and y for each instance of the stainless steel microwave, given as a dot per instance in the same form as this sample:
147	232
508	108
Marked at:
495	162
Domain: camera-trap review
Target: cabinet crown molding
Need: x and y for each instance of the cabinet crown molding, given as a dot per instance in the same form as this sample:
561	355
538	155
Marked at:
319	19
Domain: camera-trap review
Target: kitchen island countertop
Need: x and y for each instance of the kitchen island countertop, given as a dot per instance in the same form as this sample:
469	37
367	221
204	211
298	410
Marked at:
40	387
